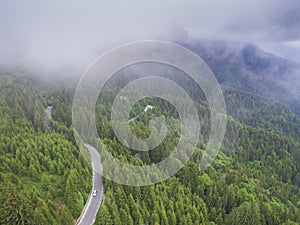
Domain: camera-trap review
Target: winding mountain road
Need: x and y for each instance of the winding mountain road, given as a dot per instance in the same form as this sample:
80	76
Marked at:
90	210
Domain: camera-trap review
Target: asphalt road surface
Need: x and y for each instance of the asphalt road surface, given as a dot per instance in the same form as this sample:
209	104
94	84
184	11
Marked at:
92	206
90	210
48	112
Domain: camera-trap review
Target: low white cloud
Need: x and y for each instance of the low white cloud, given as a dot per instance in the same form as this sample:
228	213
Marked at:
73	31
294	44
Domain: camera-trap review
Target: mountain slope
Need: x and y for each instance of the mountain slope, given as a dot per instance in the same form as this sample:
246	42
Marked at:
245	66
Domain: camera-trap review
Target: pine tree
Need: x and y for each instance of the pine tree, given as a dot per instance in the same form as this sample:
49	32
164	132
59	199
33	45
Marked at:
15	208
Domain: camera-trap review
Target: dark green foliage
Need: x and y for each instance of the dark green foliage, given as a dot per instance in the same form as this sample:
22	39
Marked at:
254	181
15	208
44	179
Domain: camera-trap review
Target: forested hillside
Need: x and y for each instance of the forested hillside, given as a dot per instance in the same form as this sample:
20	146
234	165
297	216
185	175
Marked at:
255	179
44	179
247	67
164	112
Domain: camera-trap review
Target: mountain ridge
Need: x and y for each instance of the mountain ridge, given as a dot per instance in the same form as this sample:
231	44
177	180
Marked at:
246	66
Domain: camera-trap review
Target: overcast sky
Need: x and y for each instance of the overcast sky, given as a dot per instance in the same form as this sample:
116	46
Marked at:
59	32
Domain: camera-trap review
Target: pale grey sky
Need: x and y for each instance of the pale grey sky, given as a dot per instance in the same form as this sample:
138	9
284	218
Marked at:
59	32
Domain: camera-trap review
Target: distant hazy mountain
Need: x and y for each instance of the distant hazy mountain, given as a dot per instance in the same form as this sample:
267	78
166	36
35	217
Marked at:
245	66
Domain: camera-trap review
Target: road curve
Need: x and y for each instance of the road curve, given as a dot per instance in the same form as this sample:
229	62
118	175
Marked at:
89	212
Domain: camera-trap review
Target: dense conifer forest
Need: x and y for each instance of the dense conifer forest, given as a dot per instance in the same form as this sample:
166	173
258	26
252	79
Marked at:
44	179
255	179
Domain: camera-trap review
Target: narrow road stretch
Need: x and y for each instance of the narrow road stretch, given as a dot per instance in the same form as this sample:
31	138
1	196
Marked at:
92	205
48	112
90	210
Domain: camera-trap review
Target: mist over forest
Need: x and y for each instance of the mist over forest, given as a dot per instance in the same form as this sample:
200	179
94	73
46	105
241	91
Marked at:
53	169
